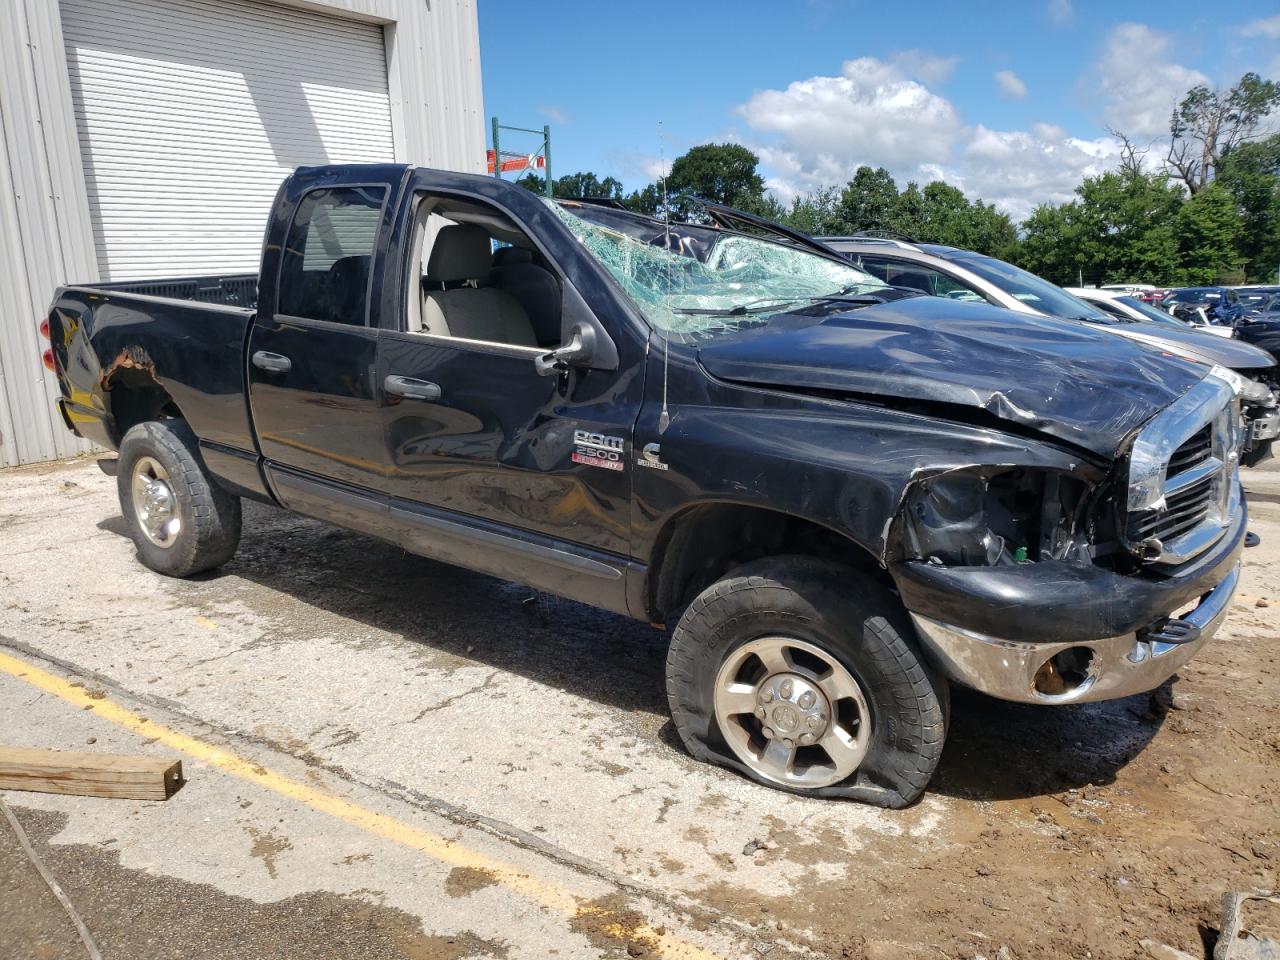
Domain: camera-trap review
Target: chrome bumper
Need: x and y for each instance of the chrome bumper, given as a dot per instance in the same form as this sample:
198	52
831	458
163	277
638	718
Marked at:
1120	666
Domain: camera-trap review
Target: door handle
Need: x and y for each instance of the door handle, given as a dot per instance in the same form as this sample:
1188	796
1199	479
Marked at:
273	362
412	389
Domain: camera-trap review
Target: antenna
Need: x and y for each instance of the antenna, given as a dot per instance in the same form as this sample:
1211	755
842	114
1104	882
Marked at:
664	418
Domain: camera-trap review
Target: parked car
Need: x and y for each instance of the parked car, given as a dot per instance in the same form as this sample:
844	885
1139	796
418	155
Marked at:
1131	288
1220	304
842	495
1131	308
1257	299
965	275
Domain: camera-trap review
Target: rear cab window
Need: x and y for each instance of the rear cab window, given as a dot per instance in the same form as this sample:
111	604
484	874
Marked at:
325	267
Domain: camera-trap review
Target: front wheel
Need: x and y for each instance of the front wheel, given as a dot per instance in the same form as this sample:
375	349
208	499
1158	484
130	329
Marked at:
180	520
798	673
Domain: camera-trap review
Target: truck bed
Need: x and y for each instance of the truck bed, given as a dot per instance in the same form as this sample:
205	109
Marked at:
185	335
232	290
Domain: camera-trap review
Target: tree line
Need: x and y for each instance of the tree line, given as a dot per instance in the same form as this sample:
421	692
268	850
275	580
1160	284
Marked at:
1201	207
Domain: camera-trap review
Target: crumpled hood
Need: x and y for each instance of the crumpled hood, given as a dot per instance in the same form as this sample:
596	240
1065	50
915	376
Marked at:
1232	354
1077	383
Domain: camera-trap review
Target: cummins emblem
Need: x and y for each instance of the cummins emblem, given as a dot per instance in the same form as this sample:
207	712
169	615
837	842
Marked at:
597	450
650	457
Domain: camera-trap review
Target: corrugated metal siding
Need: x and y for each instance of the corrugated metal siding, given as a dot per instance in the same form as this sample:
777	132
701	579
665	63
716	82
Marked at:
44	230
46	238
192	111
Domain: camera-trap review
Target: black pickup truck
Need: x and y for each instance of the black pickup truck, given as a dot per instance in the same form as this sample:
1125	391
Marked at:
841	495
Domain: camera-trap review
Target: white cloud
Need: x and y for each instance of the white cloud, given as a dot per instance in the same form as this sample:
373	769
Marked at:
1060	11
823	127
1011	85
816	132
923	66
1139	81
1268	27
557	115
1018	169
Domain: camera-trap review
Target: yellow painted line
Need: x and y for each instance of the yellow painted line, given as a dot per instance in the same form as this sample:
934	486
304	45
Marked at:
442	849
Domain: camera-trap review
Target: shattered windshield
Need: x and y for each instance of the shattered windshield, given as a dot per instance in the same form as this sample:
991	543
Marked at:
699	291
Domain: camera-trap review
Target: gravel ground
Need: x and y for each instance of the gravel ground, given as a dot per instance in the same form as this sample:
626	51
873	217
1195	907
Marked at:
534	731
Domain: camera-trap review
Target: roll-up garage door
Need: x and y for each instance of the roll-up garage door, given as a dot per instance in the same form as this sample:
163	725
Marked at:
190	112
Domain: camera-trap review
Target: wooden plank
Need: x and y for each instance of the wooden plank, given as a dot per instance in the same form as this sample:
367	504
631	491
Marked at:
111	775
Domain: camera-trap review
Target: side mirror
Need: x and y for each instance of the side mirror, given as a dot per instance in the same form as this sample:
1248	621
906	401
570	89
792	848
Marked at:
577	351
586	342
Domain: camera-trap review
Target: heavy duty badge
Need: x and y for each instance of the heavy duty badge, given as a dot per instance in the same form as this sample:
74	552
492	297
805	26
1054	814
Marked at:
597	450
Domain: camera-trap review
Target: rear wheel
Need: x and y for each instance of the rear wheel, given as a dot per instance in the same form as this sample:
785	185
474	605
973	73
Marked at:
180	520
798	672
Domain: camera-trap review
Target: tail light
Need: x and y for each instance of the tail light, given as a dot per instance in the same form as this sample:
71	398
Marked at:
47	356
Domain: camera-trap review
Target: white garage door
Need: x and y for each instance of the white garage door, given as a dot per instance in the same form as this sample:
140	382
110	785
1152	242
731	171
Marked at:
190	113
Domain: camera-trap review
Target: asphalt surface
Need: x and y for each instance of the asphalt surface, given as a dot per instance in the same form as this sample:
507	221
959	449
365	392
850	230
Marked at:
524	737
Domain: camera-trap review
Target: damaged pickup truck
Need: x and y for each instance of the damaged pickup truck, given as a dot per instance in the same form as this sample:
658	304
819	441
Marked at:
841	496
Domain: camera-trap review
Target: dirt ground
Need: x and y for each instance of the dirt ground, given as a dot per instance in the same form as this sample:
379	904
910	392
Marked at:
533	731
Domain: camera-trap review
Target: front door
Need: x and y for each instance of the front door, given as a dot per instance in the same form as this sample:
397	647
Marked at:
313	386
491	464
492	440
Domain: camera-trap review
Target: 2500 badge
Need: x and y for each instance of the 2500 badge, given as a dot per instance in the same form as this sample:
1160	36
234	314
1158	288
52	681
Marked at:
597	450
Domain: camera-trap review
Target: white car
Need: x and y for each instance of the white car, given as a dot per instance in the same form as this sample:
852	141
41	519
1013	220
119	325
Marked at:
1127	287
1121	304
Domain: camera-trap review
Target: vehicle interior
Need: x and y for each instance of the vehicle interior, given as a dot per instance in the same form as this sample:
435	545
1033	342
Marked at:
480	278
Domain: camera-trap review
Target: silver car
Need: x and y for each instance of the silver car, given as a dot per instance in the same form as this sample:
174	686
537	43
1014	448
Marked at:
943	271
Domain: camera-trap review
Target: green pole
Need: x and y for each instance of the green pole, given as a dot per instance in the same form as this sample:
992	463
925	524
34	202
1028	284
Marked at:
497	157
546	155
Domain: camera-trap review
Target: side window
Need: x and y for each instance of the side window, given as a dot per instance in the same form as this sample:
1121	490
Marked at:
1108	307
478	277
324	271
903	273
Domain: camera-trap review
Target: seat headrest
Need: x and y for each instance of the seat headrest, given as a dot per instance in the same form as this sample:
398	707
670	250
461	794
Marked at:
506	256
462	251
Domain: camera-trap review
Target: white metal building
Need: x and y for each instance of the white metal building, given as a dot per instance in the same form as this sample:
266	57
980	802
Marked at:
146	138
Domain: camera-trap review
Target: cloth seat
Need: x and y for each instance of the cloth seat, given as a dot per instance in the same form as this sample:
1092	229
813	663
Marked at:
460	260
534	286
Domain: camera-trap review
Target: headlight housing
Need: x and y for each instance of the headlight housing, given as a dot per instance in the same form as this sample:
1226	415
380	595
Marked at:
998	516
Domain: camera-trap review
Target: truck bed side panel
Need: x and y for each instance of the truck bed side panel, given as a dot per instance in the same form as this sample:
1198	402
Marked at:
109	343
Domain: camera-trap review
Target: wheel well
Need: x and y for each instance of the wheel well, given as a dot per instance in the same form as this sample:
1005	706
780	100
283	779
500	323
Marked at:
135	398
701	544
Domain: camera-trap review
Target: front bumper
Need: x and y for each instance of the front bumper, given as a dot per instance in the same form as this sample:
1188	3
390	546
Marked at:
1117	666
986	627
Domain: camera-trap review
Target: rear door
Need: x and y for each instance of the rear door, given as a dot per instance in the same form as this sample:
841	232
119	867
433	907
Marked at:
312	352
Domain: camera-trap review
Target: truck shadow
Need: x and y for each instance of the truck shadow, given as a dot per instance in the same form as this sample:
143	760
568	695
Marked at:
1005	751
995	750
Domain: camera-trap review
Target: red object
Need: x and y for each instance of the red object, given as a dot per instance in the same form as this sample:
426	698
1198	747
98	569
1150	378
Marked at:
516	163
47	357
44	328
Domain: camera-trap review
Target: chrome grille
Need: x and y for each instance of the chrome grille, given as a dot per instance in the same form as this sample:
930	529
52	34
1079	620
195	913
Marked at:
1183	475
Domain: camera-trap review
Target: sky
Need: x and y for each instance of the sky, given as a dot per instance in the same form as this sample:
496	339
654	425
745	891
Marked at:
1010	102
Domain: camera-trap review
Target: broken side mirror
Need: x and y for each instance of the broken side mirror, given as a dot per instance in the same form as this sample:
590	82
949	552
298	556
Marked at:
577	351
586	342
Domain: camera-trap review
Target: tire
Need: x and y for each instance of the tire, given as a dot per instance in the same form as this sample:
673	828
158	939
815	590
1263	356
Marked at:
817	608
202	529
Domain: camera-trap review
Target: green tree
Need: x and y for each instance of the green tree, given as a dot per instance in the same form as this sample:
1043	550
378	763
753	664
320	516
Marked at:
1251	173
868	201
720	172
817	214
1121	227
574	186
1208	227
645	200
